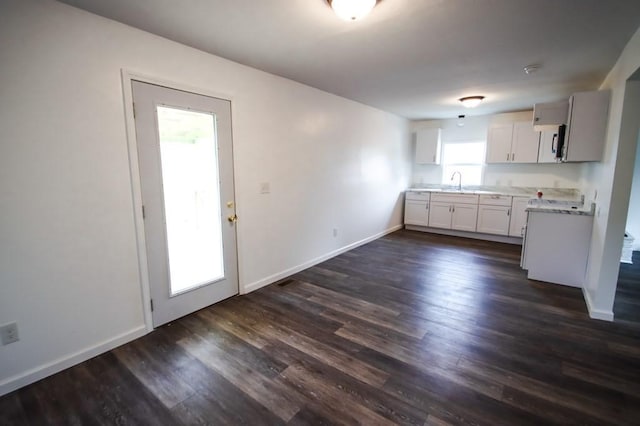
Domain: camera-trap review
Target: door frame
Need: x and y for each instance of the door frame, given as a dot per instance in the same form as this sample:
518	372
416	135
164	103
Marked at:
136	187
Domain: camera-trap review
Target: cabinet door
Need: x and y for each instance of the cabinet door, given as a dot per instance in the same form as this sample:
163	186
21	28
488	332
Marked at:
546	153
428	146
464	217
588	116
416	213
440	215
518	217
493	219
524	147
499	144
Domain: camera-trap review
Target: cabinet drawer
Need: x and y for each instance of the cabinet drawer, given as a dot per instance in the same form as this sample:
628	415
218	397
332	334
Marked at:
417	196
455	198
495	200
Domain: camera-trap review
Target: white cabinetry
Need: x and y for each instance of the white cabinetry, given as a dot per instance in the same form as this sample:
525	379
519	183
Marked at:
512	143
557	247
428	146
416	208
453	211
499	143
494	214
549	116
518	216
524	148
588	116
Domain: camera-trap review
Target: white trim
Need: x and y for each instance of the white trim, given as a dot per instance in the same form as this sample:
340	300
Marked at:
465	234
134	175
33	375
286	273
594	313
170	84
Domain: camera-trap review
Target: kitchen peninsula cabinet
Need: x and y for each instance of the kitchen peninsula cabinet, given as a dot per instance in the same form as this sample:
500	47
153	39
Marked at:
557	247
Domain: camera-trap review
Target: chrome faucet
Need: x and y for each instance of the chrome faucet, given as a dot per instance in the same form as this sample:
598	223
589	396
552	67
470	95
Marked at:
459	180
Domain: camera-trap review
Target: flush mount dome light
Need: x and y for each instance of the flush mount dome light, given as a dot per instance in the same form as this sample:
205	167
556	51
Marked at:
352	10
471	101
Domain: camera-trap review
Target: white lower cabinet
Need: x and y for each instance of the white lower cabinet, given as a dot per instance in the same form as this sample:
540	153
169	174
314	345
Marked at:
518	216
494	214
451	211
494	219
464	217
557	247
416	208
440	215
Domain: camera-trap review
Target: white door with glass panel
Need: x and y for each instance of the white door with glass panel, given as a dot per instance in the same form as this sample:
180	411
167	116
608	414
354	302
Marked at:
186	175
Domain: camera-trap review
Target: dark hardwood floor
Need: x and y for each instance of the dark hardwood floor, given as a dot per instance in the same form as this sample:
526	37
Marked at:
412	328
627	303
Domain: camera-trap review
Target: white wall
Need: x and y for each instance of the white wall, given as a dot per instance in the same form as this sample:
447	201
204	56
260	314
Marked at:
612	179
564	175
633	216
68	259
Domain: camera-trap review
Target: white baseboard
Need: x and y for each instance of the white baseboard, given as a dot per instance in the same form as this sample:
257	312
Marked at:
594	313
465	234
30	376
286	273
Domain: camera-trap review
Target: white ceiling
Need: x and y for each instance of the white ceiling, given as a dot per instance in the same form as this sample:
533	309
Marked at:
414	58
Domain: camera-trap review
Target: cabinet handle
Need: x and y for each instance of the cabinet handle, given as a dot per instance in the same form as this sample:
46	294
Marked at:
507	156
513	156
434	158
508	212
427	206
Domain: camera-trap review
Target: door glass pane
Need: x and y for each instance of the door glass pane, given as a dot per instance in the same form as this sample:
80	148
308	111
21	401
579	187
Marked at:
189	155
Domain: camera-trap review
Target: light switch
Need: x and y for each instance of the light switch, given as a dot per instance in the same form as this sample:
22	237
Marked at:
265	188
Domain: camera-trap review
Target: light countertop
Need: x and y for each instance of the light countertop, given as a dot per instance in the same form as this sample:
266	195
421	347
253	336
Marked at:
561	207
564	194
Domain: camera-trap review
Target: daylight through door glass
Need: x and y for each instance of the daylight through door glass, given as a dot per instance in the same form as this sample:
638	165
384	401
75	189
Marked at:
190	179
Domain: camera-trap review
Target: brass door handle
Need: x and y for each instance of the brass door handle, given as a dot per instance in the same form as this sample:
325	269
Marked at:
233	219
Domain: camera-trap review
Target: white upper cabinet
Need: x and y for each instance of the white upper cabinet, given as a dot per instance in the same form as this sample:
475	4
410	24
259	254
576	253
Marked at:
547	153
499	143
549	116
587	127
524	148
428	146
512	143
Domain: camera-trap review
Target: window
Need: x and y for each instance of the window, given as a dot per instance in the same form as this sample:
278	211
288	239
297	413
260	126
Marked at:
464	157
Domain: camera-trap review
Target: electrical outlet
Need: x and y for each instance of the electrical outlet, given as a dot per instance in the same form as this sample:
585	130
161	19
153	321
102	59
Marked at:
265	188
9	333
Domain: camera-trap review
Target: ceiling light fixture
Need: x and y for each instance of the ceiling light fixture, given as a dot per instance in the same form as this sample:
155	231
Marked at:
352	10
530	69
471	101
